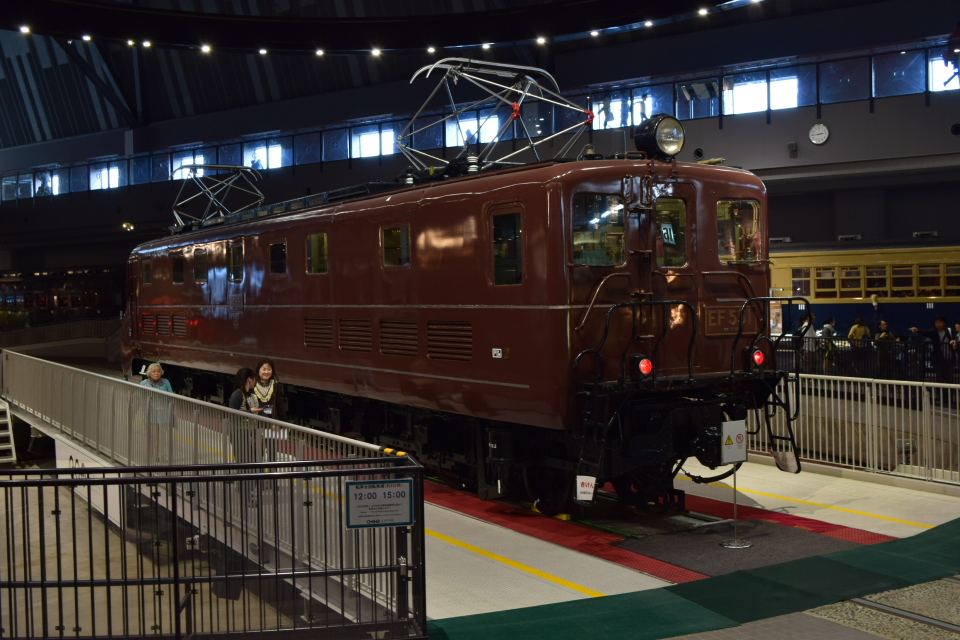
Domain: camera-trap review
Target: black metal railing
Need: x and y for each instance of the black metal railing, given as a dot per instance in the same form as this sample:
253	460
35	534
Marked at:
212	550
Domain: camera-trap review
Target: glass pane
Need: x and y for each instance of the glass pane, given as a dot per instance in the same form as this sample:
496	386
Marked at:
746	93
671	232
611	110
99	176
845	80
507	249
160	167
396	246
200	269
490	122
279	152
461	130
365	141
699	99
899	74
943	76
230	154
336	144
952	272
60	181
428	134
181	158
597	229
738	231
207	155
565	117
255	155
389	131
147	273
317	253
25	185
278	258
9	187
902	281
877	281
42	184
537	119
79	178
826	282
793	87
178	268
929	281
235	271
118	174
851	284
140	172
308	148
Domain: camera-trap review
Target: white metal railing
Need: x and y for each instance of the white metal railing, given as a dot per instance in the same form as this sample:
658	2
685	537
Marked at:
133	426
909	429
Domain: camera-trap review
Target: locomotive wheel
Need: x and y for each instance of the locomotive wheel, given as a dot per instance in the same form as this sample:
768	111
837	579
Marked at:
549	489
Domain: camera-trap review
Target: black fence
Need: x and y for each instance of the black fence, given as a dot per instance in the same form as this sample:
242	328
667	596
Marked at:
217	551
914	359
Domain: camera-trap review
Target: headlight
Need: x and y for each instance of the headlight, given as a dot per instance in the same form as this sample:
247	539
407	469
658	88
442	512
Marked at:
660	137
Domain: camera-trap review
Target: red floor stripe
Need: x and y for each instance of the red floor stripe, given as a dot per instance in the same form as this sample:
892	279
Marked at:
564	533
859	535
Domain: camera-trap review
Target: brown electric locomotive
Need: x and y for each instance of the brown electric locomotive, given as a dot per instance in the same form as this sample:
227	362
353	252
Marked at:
510	328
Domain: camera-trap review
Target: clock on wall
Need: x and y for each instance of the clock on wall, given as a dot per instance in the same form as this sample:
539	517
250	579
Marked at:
819	133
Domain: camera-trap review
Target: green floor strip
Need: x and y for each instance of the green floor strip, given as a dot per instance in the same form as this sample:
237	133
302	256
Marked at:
724	601
644	615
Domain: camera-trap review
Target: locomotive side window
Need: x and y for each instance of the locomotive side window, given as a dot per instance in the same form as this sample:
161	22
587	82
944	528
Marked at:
396	246
147	272
597	229
671	232
235	268
317	253
177	268
507	254
278	258
200	269
738	230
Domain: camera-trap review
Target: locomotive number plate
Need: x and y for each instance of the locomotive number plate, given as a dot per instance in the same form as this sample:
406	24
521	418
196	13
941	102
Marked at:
723	321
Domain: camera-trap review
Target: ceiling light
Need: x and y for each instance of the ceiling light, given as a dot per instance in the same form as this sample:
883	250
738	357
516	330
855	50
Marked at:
24	29
131	43
486	46
375	52
594	33
541	40
146	43
263	52
319	52
648	23
756	1
205	48
702	12
86	38
431	50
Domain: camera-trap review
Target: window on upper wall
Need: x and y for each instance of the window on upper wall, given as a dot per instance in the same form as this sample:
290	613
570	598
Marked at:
899	74
597	231
317	253
844	80
745	93
428	133
929	281
200	268
507	249
177	269
903	281
336	145
307	148
396	246
942	76
851	282
60	181
612	110
800	281
147	277
181	158
952	276
372	140
700	99
278	258
793	87
738	230
878	281
235	264
825	284
671	232
160	167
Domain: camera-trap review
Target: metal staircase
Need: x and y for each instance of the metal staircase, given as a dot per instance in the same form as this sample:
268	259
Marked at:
8	452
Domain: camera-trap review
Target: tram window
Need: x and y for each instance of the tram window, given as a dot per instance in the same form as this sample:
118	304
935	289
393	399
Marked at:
507	249
147	273
851	282
877	282
671	232
738	230
952	272
597	229
278	258
929	281
801	281
235	269
177	272
826	282
200	269
317	253
902	281
396	246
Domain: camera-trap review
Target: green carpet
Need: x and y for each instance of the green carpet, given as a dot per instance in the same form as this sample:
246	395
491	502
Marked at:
727	600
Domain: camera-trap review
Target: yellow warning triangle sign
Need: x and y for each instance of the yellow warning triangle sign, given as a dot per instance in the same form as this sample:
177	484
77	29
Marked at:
729	441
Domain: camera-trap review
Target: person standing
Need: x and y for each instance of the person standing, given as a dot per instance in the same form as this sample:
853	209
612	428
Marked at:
155	379
886	354
827	335
244	382
944	340
267	391
160	436
808	335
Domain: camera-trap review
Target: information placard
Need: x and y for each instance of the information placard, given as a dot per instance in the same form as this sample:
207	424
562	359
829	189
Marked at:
379	504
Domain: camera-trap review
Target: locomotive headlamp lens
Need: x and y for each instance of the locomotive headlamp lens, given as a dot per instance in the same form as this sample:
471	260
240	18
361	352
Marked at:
758	357
646	366
660	137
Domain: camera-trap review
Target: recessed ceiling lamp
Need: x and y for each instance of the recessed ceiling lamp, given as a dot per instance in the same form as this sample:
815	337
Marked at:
319	52
146	43
205	48
648	23
375	52
594	33
263	52
86	38
24	29
431	50
131	43
486	46
541	40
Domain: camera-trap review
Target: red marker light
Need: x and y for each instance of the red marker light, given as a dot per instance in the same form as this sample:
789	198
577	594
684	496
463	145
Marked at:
646	366
758	357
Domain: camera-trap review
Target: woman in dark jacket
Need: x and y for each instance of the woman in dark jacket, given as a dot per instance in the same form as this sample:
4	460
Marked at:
267	391
243	383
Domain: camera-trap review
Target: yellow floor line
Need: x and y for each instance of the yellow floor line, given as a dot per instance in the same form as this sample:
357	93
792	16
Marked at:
817	504
516	565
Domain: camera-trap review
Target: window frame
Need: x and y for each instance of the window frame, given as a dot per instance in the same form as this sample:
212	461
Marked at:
404	228
503	212
175	258
231	265
309	257
201	251
146	272
272	262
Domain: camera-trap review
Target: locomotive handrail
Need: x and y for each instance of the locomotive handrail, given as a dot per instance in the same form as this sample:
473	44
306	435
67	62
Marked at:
756	339
596	292
739	275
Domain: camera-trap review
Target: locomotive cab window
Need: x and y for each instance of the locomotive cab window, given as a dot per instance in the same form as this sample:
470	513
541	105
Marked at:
147	272
317	253
177	271
671	232
507	245
396	246
738	230
200	268
597	229
278	258
235	266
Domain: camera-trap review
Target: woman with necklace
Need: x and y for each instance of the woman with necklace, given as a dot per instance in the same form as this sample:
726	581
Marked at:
155	379
267	391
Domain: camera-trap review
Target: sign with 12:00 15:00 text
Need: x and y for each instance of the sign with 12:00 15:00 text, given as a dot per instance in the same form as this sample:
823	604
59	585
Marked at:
379	504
